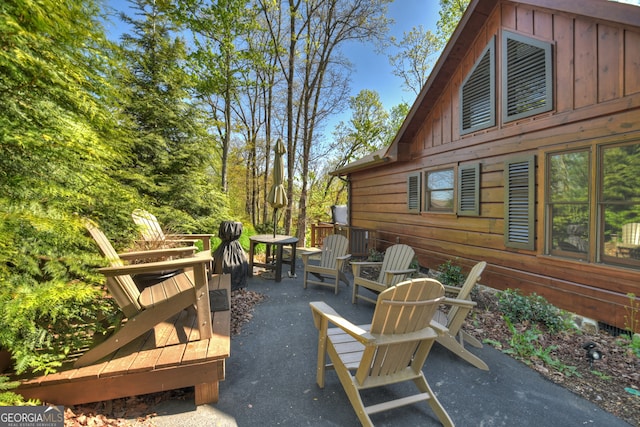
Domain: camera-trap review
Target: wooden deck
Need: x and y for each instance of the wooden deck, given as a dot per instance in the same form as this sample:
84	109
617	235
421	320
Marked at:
168	357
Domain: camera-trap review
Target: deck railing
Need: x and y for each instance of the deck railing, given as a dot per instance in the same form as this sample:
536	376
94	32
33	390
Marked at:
361	240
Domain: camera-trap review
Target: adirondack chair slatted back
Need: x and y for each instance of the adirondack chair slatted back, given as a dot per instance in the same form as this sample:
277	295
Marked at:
334	245
404	309
122	288
148	224
396	257
467	287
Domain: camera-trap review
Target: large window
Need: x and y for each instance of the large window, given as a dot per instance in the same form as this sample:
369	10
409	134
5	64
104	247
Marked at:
599	224
439	194
568	203
619	204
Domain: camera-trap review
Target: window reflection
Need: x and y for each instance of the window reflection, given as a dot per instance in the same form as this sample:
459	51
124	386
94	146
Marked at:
439	192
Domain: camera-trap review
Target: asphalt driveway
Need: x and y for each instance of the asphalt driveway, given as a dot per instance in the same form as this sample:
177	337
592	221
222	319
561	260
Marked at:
270	378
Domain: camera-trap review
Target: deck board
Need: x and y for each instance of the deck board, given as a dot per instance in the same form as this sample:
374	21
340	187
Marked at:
169	356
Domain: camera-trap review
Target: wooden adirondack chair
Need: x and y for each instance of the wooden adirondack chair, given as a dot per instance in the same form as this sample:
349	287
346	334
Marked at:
333	256
152	232
392	349
394	268
154	304
452	336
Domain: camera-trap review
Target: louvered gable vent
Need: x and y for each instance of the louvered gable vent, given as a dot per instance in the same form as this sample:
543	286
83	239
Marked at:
529	85
477	93
519	203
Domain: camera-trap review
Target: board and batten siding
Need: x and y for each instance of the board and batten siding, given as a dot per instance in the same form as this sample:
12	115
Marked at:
596	89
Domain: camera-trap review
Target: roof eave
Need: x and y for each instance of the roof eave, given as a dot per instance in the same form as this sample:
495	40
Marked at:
378	158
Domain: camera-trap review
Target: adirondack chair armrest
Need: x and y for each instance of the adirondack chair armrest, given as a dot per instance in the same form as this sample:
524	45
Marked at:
357	265
191	236
388	275
206	238
439	328
366	263
308	254
452	290
340	261
203	257
464	303
426	333
323	310
155	253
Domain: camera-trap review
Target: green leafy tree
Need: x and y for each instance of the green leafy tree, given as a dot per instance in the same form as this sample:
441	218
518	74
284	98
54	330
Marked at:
366	131
418	49
370	128
413	62
219	59
59	156
397	115
308	36
450	13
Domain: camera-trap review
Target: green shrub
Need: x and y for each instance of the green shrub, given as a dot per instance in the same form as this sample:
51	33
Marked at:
375	255
45	323
450	274
525	345
533	308
9	398
50	294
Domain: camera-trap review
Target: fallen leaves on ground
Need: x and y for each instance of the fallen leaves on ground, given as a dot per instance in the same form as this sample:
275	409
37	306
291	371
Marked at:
242	305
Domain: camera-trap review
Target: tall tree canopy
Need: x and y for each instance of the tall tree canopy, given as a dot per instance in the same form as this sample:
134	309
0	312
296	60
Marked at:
415	59
172	150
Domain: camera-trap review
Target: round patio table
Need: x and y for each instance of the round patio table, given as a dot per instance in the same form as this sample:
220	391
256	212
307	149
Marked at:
279	241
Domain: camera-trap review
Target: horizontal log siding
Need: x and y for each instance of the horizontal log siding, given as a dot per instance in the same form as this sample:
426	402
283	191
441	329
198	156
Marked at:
597	100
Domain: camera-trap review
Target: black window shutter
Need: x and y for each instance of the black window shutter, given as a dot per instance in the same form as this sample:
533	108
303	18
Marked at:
520	203
469	190
413	192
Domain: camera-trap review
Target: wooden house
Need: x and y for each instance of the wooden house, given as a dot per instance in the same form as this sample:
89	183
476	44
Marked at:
523	150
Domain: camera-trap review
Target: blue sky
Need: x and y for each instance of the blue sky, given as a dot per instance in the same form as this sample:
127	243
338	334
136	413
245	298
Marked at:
371	70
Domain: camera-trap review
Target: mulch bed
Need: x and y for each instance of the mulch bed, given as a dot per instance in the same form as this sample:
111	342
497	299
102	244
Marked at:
608	382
